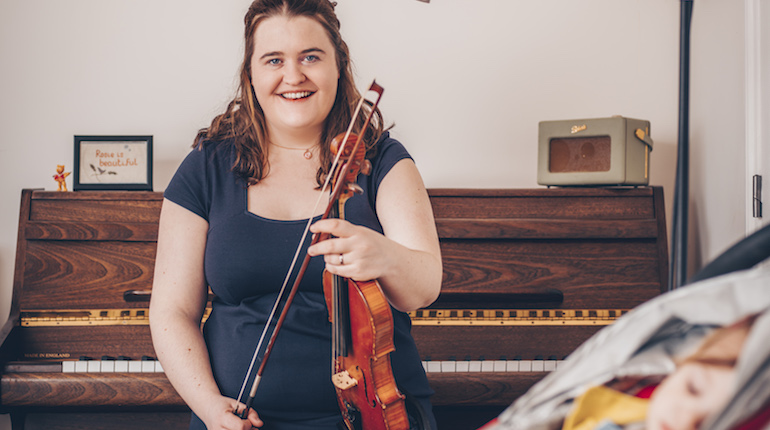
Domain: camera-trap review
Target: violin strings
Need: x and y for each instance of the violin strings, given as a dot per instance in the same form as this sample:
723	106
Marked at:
294	260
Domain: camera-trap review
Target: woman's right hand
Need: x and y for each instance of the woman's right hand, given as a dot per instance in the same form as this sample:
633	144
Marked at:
220	415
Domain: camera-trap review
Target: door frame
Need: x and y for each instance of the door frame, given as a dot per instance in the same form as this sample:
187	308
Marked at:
757	95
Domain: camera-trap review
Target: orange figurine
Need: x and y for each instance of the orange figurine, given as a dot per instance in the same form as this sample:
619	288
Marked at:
60	177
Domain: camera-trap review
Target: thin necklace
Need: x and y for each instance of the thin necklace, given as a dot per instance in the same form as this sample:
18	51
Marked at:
308	154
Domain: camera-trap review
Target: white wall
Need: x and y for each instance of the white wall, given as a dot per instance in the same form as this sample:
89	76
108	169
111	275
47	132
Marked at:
466	83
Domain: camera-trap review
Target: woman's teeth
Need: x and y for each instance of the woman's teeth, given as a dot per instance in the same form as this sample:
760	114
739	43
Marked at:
296	96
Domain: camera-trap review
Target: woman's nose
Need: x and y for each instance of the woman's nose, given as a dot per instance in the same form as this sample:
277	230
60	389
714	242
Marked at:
293	74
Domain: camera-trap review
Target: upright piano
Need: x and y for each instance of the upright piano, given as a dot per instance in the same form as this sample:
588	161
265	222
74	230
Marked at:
529	274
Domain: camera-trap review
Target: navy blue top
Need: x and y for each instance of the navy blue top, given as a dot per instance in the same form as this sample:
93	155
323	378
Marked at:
246	260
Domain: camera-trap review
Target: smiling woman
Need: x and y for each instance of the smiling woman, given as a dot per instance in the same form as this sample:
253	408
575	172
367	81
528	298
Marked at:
294	77
234	215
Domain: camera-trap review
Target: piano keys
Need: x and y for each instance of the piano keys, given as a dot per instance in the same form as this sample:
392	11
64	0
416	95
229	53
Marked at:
112	365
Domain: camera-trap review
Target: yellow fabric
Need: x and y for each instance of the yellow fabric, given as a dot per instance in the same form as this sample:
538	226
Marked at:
600	404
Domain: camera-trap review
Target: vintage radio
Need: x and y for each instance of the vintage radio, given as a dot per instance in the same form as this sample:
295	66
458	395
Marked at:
599	151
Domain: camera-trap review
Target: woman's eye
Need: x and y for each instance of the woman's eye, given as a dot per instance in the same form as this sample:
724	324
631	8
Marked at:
311	58
274	61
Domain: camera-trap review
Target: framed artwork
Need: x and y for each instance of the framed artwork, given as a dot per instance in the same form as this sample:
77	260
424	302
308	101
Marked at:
113	163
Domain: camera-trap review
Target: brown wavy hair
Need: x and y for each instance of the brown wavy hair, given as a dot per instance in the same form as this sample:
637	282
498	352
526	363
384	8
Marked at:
243	122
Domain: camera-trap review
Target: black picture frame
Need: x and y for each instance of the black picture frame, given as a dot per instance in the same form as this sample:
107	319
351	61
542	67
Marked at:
113	163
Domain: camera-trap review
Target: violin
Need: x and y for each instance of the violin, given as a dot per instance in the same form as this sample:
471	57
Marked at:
361	317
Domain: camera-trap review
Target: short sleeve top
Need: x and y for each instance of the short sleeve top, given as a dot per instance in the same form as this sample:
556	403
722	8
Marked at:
246	260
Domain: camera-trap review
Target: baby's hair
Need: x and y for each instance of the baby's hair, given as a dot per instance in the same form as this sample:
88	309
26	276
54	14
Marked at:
722	347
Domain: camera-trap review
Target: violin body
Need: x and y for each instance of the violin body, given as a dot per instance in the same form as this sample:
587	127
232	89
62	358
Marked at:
366	390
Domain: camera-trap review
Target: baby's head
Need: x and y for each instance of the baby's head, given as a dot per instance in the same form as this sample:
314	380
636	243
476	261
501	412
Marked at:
702	382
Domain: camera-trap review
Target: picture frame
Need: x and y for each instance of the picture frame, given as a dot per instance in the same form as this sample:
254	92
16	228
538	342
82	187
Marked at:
113	163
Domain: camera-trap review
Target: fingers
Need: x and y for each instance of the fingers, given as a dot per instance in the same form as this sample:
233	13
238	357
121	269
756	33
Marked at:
333	226
254	419
340	229
230	417
355	252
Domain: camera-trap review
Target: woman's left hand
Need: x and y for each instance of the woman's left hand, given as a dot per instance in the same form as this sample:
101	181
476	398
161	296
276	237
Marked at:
354	252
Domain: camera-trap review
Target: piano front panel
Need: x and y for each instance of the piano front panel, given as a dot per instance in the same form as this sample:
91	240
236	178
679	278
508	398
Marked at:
94	206
91	274
541	203
605	274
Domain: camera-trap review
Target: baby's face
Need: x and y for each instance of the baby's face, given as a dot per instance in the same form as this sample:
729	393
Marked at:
687	396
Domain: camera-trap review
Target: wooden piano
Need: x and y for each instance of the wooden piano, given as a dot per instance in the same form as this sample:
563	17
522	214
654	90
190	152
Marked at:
528	276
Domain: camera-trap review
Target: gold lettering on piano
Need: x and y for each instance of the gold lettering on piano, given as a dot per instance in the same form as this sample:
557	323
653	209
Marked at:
519	317
47	355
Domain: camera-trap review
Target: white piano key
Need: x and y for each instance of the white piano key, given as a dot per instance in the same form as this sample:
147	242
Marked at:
148	366
81	366
94	366
448	366
434	366
158	367
121	366
108	366
481	366
68	367
134	366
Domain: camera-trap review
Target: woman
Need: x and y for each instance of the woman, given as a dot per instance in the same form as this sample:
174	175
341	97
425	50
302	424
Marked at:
234	213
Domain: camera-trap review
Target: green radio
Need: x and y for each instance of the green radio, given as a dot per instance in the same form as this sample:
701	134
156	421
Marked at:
594	152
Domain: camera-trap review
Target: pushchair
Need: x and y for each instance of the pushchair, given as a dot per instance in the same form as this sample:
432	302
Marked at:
647	341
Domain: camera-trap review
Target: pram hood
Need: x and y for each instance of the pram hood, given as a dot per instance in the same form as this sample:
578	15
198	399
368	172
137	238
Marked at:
645	342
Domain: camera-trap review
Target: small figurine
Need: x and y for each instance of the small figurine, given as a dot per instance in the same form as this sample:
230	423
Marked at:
60	177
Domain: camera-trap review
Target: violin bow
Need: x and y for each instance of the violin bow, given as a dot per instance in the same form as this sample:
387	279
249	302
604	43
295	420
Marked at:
317	238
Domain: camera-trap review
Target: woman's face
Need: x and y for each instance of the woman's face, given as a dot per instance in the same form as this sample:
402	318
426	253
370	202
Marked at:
294	74
686	397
